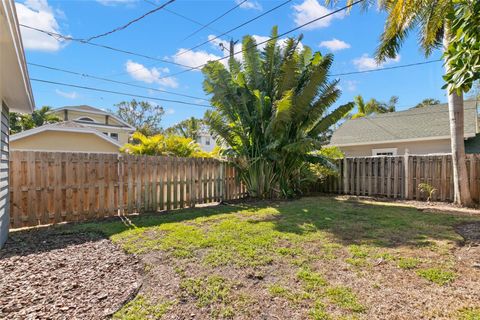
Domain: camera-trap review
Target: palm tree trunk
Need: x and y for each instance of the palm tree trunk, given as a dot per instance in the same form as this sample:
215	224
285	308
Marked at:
456	115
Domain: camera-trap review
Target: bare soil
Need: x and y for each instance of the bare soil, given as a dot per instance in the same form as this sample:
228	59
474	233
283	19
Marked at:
50	275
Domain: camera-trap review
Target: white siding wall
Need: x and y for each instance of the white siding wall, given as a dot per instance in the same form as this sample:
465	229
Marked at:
4	192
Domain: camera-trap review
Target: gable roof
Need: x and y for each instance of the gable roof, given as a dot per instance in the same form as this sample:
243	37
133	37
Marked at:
417	124
89	109
66	126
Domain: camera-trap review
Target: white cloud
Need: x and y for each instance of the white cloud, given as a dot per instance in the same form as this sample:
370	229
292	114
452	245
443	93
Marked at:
194	58
249	4
169	111
351	85
69	95
115	2
154	75
334	45
365	62
38	14
310	10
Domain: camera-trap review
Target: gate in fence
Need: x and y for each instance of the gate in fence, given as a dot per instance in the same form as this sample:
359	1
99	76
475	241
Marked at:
54	187
399	176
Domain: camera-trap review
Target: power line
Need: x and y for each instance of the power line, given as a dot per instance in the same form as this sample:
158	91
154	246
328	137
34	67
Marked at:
130	22
117	92
113	81
235	28
386	68
272	38
215	20
59	36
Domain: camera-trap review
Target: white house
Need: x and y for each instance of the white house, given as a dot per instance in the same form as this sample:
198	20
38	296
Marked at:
15	95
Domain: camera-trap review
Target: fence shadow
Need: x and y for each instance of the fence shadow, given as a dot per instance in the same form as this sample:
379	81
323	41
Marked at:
358	222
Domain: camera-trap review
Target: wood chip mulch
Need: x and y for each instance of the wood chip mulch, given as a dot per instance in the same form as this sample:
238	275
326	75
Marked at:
50	275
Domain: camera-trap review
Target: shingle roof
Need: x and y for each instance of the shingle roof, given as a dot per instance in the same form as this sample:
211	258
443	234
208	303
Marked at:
427	122
86	108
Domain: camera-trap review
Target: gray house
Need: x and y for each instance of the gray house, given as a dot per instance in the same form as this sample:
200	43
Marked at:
15	95
415	131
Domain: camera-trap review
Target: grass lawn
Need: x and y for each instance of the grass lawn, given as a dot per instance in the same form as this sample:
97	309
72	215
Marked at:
317	258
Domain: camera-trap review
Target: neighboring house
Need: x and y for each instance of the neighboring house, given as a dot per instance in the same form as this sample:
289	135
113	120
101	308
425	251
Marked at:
206	141
15	95
105	122
84	129
415	131
67	136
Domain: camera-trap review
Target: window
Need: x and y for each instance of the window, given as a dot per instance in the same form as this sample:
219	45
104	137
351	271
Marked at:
207	141
384	152
86	119
105	133
114	136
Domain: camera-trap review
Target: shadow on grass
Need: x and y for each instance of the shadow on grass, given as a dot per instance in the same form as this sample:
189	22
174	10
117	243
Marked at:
379	224
43	239
347	221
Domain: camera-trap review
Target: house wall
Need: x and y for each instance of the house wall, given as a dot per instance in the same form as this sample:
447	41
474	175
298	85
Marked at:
4	181
416	147
123	134
206	142
65	142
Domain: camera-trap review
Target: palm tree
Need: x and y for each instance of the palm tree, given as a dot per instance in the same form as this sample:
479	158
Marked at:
189	128
373	106
433	20
271	111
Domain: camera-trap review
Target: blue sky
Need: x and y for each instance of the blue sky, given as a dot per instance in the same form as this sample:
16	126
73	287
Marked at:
352	38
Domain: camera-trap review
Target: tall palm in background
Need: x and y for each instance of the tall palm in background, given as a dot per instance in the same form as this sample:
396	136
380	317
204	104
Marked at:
271	111
21	122
372	106
433	20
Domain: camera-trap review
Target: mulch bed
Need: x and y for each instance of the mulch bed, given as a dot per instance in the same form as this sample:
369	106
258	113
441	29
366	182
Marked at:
49	275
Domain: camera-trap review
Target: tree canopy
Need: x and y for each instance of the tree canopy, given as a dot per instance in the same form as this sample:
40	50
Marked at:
23	121
142	115
271	110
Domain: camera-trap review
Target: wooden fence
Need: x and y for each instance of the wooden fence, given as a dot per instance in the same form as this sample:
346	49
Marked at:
399	176
54	187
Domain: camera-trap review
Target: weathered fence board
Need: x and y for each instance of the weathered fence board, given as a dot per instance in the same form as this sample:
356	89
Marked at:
54	187
399	176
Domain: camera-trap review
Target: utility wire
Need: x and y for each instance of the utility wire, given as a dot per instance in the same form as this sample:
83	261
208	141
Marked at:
130	22
215	20
81	74
386	68
235	28
117	92
272	38
59	36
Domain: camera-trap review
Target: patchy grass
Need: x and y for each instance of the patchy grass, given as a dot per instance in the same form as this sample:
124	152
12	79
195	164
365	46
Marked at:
317	258
437	275
469	314
142	308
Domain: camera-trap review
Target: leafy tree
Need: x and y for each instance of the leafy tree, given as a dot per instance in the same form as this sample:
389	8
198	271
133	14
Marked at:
463	52
439	25
142	115
427	102
163	145
270	112
189	128
23	121
373	106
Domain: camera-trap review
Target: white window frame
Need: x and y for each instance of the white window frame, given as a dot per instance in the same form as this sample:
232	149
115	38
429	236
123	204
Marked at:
375	152
85	117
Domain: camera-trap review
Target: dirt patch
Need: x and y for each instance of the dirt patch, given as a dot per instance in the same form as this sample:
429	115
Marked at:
49	275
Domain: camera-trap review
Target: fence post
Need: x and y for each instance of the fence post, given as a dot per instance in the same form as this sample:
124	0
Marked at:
345	176
406	175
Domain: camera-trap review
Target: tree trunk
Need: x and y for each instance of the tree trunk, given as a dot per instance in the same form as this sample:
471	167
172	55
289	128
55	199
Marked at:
456	116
